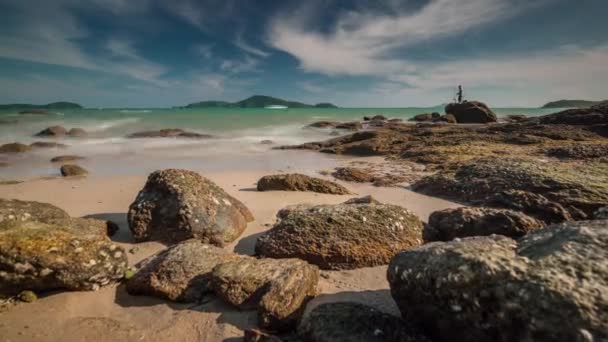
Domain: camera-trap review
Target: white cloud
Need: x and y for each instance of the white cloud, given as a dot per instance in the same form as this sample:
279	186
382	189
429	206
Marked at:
243	45
248	64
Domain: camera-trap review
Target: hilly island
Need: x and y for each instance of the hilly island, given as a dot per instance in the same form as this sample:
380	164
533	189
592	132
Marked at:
258	101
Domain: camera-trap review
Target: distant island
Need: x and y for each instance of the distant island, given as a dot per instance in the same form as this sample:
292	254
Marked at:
257	101
570	104
54	105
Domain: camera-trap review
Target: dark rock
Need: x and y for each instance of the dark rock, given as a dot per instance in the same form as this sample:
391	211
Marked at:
14	148
77	132
266	142
169	133
379	117
255	335
279	289
342	236
601	214
53	131
35	111
369	199
426	117
579	151
471	112
595	115
580	189
66	158
299	182
533	204
547	286
180	272
352	126
177	205
449	224
449	118
346	321
47	144
516	118
69	170
352	174
323	124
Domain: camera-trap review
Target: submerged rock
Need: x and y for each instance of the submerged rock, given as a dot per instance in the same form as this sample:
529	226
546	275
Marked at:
68	255
69	170
53	131
47	144
471	112
448	224
353	126
169	133
180	273
347	321
77	132
177	205
547	286
66	158
14	148
279	289
342	236
299	182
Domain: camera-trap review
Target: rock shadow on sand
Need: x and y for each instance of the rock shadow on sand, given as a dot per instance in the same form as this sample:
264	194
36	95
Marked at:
123	235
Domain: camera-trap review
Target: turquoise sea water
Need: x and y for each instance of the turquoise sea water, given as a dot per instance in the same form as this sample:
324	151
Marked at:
238	133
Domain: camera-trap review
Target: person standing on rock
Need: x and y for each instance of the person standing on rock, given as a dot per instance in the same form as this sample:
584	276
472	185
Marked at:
459	94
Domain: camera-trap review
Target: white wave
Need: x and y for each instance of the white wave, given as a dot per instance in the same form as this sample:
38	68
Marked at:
105	125
135	111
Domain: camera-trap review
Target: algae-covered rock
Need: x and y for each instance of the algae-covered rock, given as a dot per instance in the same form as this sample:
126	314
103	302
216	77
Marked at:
299	182
180	273
342	236
279	289
448	224
177	205
548	286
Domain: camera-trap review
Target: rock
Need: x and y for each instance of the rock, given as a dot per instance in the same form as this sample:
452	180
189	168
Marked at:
449	224
177	205
581	189
53	131
533	204
266	142
8	122
516	118
353	126
47	144
547	286
347	321
27	296
278	288
601	214
341	236
169	133
22	211
69	170
426	117
369	199
449	118
352	174
323	124
595	115
180	272
471	112
14	148
35	111
66	158
77	132
38	256
378	117
579	151
255	335
299	182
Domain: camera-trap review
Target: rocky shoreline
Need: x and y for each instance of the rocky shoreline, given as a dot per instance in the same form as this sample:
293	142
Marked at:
524	258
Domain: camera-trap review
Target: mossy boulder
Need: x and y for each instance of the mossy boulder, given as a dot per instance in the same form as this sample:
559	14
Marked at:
177	205
342	236
299	182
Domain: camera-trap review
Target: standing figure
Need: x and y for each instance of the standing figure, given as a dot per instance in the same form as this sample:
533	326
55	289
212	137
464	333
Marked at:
459	94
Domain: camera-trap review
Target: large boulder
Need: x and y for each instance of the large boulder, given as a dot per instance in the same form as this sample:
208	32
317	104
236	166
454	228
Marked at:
299	182
42	248
14	148
548	286
177	205
595	115
347	321
279	289
53	131
449	224
581	189
180	273
342	236
471	112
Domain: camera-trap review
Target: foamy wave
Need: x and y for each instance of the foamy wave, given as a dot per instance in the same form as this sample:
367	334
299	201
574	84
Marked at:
105	125
135	111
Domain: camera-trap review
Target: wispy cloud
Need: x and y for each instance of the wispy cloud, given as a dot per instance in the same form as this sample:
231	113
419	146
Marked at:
243	45
248	64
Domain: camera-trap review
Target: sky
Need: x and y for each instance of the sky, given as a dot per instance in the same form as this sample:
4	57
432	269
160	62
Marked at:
354	53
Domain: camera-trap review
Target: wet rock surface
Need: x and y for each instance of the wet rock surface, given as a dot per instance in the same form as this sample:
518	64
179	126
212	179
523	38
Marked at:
279	289
448	224
547	286
580	151
346	321
179	273
342	236
299	182
177	205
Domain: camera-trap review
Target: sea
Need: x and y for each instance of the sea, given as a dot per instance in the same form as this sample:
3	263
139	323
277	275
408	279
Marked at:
238	133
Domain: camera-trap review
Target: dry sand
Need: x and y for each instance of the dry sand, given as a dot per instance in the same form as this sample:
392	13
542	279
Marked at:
110	314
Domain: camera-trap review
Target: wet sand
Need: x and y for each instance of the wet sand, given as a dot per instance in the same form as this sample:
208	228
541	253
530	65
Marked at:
110	314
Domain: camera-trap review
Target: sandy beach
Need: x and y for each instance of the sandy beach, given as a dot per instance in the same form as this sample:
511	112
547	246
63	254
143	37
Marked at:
110	314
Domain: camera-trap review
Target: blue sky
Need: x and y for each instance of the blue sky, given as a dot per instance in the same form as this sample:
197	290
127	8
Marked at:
392	53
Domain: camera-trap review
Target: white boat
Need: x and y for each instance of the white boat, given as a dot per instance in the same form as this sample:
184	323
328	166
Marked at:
276	107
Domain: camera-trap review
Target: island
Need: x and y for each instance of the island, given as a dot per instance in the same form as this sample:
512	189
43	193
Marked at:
25	108
570	104
257	101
